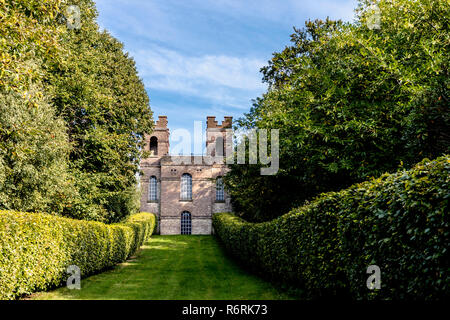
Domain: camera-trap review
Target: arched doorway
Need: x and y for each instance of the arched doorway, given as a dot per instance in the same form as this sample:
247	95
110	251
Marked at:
186	223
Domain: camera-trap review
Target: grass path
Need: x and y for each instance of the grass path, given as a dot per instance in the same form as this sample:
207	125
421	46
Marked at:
173	268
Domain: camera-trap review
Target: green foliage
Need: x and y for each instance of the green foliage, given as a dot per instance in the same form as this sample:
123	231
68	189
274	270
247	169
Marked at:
351	103
38	248
399	222
28	37
96	90
85	166
34	151
34	145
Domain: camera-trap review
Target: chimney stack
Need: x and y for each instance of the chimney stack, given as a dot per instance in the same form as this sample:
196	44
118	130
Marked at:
162	122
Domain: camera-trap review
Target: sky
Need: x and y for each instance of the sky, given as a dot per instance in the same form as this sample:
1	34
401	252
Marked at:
200	58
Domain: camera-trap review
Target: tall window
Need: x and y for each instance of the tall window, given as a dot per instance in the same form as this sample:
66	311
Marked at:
186	187
220	192
186	223
153	189
219	147
154	146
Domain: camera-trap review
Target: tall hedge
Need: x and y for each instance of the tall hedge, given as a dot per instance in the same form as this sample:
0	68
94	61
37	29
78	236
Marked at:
36	249
398	222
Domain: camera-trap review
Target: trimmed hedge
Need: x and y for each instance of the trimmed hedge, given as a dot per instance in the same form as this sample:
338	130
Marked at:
398	222
36	249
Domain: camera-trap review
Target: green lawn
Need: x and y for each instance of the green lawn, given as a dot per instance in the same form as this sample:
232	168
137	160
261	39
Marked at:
172	268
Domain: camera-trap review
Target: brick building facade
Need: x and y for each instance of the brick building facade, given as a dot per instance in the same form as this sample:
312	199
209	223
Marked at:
184	191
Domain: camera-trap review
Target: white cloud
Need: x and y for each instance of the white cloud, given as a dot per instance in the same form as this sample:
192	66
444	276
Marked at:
193	66
221	79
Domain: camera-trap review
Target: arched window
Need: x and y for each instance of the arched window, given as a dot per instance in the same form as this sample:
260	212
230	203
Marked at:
220	190
186	187
153	189
186	223
154	146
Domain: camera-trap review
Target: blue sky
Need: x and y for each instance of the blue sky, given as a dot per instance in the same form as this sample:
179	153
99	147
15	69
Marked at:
202	58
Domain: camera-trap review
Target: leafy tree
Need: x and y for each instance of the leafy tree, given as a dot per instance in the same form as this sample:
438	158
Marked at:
73	114
33	157
34	147
96	90
350	102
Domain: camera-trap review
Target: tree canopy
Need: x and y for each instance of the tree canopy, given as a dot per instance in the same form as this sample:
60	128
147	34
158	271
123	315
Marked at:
77	113
351	102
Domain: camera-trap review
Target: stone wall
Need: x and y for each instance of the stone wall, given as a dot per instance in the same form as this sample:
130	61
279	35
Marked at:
168	171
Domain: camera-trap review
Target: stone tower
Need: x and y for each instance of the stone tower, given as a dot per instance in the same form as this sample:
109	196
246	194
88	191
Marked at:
216	136
158	142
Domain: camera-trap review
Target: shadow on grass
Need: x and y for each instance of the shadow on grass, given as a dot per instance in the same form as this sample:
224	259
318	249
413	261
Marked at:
174	268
